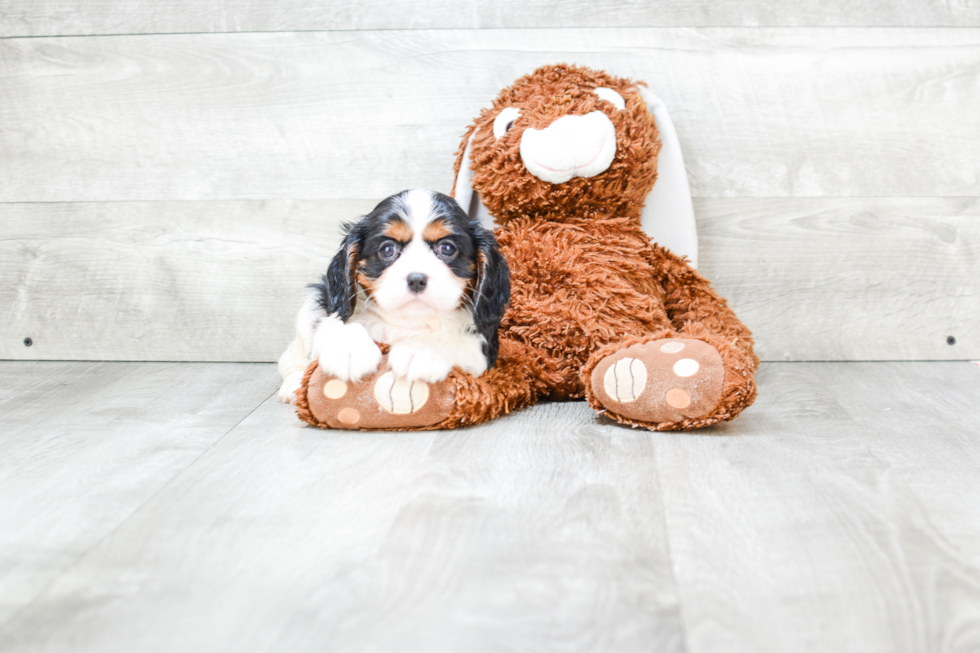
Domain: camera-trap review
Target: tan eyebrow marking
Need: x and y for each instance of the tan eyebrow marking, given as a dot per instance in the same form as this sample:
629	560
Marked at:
399	230
436	230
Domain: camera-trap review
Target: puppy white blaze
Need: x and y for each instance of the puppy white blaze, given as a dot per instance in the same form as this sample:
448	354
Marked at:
418	210
443	289
571	146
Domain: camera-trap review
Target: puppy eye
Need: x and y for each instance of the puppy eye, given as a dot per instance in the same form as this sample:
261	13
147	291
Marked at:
611	96
388	252
447	250
504	121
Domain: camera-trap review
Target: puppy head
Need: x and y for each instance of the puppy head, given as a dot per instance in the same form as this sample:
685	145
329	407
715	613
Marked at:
418	254
563	141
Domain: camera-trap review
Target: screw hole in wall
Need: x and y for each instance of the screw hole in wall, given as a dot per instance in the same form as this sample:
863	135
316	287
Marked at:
950	340
28	342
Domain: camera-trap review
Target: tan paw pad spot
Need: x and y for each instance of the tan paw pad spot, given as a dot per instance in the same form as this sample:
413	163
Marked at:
349	416
686	367
671	347
400	396
678	398
625	380
334	389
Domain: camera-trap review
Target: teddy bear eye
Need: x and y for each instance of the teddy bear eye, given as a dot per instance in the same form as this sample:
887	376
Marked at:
504	121
611	96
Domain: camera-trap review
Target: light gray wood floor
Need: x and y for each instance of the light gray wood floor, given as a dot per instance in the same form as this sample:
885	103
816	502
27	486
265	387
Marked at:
180	507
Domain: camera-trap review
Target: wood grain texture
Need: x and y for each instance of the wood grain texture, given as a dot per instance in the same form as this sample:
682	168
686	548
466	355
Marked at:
84	446
848	279
541	532
340	115
816	279
212	281
85	17
837	514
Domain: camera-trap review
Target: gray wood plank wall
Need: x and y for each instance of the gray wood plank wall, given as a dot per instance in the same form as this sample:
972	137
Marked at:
74	17
166	196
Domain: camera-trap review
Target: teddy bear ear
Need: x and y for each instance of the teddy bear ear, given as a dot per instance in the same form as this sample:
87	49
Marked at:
467	198
668	214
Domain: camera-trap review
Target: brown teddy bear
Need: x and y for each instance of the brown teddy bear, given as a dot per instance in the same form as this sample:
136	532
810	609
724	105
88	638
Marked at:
564	161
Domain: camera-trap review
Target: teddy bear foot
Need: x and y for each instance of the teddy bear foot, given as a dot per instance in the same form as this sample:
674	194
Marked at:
660	381
379	401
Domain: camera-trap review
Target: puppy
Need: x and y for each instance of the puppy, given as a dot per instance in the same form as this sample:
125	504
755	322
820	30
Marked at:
415	273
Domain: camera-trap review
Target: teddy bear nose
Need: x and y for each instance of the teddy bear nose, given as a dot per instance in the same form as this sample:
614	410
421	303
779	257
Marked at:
417	282
571	146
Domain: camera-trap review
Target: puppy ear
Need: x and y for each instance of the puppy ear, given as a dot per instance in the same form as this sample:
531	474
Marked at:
338	288
491	293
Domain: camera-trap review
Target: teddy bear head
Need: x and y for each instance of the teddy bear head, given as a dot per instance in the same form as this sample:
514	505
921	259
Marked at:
562	143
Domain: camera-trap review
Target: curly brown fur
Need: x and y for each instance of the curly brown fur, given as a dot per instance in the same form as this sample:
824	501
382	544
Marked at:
302	402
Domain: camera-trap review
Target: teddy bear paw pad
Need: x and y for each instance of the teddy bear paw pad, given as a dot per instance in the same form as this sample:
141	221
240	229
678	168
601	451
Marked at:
660	381
378	401
399	396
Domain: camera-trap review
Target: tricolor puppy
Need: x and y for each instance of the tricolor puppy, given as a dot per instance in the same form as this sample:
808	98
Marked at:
415	273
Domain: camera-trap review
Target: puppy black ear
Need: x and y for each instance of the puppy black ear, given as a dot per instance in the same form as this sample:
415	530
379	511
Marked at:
337	289
491	293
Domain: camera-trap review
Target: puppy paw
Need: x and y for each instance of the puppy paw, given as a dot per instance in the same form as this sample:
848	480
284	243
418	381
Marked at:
346	351
287	391
660	381
415	363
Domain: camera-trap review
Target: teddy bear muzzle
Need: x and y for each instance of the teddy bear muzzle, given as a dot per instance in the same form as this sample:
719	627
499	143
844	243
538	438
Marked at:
571	146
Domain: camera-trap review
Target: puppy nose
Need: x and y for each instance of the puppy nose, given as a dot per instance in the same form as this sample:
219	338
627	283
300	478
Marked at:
417	282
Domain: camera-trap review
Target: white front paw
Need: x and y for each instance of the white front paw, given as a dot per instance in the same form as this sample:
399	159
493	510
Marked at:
346	351
418	363
287	391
